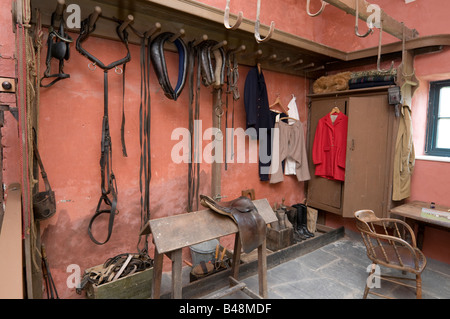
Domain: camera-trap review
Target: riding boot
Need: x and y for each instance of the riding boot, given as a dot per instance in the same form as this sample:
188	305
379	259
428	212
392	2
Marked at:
298	226
301	211
292	216
305	221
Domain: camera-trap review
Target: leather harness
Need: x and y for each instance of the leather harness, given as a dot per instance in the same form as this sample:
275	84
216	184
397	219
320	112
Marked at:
159	64
108	180
57	47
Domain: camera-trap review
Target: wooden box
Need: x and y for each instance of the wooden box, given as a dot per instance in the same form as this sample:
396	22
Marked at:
134	286
278	239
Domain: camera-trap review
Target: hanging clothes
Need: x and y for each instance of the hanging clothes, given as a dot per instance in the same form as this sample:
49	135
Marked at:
259	118
291	144
404	157
289	167
330	145
256	102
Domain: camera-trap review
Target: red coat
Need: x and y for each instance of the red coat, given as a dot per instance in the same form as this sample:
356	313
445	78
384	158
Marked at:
329	148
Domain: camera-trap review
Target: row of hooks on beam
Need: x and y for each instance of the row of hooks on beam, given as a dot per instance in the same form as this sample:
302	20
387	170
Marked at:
296	65
156	28
258	56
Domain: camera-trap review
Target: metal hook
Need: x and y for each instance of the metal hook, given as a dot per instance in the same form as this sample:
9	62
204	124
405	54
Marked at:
356	22
257	24
92	66
226	18
379	53
118	70
318	12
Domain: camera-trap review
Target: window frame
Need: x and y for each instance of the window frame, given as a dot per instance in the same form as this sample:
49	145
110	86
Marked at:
432	120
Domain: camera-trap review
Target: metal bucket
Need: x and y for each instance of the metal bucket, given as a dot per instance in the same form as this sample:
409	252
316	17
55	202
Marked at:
203	251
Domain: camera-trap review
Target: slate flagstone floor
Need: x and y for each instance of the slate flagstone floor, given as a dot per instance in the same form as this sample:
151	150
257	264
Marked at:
338	271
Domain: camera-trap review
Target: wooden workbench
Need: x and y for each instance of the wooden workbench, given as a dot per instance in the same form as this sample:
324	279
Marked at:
412	212
171	234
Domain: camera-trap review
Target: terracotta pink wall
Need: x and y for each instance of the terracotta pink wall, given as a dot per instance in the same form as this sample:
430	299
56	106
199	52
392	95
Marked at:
10	137
71	113
69	137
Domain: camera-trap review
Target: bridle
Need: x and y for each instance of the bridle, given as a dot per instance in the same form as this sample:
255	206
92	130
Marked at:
57	47
108	180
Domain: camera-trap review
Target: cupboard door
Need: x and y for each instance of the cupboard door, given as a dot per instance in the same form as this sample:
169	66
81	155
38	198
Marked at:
323	193
368	149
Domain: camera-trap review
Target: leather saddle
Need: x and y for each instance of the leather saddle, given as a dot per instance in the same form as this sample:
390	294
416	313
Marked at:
160	66
251	225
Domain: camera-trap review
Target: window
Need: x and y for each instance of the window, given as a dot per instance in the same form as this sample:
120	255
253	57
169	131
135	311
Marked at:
438	126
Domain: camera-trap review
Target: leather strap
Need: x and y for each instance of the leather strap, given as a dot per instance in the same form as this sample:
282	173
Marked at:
144	138
194	115
159	64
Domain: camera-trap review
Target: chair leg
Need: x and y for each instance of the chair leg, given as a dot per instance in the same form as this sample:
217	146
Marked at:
366	289
418	287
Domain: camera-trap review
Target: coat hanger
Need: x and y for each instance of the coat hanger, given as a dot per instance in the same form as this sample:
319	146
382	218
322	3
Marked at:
288	118
335	110
278	102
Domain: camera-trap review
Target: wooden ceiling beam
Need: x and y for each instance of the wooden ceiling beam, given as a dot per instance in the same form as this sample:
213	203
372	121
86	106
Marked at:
390	25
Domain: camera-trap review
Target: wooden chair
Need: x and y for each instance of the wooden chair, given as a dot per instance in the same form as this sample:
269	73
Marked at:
390	250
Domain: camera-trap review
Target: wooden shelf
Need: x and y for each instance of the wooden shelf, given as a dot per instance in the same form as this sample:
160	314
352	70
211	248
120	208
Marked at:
354	91
198	19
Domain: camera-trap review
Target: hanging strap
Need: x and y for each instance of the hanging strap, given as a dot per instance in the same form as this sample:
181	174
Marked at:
144	138
108	179
41	165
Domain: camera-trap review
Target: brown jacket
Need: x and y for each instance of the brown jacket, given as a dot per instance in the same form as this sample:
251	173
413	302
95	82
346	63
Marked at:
404	158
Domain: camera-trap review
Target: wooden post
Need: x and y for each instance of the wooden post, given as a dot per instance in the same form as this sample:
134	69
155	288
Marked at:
216	166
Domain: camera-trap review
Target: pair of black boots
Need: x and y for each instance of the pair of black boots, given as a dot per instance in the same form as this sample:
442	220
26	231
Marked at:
299	221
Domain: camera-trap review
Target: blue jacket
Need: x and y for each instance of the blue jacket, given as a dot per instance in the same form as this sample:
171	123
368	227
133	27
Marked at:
259	116
256	102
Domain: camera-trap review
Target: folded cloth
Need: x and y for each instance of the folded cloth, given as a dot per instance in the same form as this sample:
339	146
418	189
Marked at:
371	81
360	74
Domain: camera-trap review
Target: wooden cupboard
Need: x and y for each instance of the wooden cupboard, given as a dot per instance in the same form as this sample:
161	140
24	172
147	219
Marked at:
372	130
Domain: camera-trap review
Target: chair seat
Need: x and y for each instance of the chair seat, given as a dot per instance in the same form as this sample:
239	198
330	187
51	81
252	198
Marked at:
405	255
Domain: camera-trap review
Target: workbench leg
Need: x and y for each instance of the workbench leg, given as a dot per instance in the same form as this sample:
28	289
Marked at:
236	257
262	269
176	274
157	275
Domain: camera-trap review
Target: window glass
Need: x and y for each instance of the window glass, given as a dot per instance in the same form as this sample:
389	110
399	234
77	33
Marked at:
444	102
438	125
443	133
